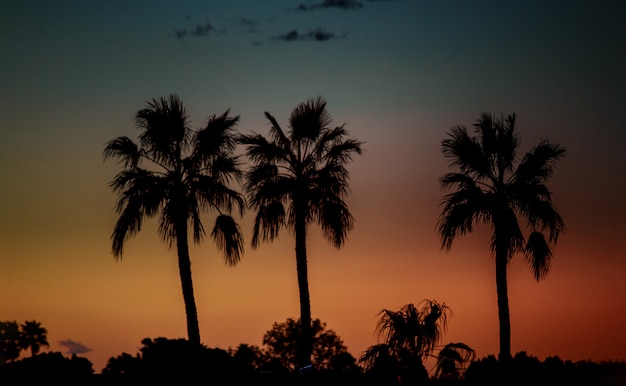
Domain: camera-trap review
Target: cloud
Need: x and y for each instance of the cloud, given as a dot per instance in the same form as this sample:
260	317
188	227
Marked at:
246	22
199	30
319	34
341	4
74	347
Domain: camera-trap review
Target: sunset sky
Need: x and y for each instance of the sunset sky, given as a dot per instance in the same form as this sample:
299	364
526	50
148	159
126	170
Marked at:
400	74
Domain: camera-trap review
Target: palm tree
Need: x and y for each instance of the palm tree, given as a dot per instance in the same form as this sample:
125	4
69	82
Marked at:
407	337
452	360
187	173
296	178
9	341
492	185
33	336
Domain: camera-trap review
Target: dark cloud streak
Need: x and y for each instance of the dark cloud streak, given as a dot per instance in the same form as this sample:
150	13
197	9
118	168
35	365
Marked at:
341	4
199	30
319	35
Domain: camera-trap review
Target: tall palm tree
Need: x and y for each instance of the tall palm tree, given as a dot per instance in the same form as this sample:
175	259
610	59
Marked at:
33	336
296	178
492	185
186	173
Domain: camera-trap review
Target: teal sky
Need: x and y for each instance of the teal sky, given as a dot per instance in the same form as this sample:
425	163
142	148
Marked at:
399	73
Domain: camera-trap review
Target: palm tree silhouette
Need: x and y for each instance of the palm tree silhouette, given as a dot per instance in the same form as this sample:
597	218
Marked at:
407	337
452	360
492	185
9	341
187	174
305	170
33	336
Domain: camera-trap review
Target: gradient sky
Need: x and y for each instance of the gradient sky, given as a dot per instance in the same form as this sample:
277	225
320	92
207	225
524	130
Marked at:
400	74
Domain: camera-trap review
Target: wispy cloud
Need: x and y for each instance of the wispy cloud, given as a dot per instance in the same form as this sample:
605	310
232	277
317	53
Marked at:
200	30
73	347
341	4
319	34
246	22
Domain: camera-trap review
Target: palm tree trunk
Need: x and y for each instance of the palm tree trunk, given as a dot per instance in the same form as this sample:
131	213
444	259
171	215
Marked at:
503	304
184	267
305	349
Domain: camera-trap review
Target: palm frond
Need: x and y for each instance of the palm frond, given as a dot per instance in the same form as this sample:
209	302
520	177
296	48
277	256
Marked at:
309	119
452	360
330	180
538	254
277	134
269	219
228	238
538	164
507	144
164	129
328	138
260	150
461	209
225	167
217	138
140	194
341	152
128	224
379	355
535	204
460	181
262	191
466	154
335	220
259	175
486	129
124	149
211	194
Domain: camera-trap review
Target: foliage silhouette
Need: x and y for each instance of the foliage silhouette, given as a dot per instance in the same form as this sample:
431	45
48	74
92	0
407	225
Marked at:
492	185
9	341
14	338
452	361
329	352
48	368
33	336
123	366
188	173
408	336
305	170
178	361
523	369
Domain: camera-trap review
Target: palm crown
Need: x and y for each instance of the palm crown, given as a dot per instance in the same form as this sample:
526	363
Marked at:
303	168
33	336
491	186
188	173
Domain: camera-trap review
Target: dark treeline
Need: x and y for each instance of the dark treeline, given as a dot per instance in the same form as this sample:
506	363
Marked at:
178	361
407	337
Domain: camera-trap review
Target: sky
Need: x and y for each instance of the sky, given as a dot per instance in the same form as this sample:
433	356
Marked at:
399	74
